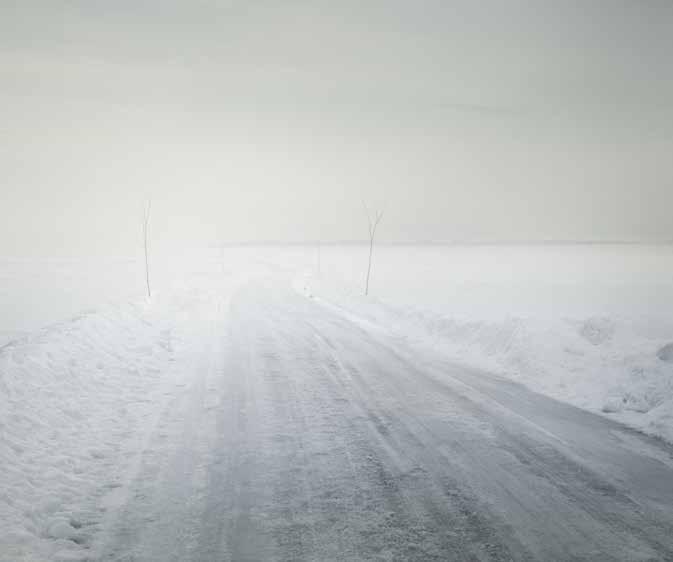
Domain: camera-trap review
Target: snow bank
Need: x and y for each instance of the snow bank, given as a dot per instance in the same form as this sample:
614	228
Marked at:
617	365
80	398
666	353
72	399
591	326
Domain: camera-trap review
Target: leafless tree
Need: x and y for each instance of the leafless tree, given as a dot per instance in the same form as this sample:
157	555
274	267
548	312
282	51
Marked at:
373	221
146	222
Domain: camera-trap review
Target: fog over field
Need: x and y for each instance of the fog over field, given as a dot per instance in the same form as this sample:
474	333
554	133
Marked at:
314	281
269	121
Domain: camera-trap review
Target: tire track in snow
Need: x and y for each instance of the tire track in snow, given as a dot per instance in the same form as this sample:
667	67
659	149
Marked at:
323	441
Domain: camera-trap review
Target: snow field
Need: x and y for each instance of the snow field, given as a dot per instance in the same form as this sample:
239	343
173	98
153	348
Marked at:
590	326
618	366
76	400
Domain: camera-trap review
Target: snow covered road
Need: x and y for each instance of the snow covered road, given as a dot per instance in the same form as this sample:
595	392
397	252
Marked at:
304	435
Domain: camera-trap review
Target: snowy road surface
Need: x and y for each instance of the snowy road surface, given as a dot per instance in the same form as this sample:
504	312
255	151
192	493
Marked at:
304	435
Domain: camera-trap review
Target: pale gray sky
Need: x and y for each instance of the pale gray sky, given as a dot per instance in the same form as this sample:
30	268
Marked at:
265	120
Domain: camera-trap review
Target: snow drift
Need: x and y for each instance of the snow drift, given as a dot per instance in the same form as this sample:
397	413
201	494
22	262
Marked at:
591	326
73	400
621	366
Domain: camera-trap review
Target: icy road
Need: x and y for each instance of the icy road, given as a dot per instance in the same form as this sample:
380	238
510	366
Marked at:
304	434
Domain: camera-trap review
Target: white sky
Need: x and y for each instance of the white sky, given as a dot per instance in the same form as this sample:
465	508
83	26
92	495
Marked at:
270	120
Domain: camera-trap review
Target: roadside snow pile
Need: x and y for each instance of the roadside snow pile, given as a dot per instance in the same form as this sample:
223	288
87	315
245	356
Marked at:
72	398
597	330
666	353
617	366
606	365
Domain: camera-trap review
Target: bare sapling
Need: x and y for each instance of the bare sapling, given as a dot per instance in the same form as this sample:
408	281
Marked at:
146	222
373	221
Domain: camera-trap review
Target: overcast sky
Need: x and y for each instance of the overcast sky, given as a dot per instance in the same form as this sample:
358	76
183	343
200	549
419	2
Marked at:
271	120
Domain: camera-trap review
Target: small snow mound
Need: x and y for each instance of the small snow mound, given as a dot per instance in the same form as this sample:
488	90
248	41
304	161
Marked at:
597	330
661	420
62	529
666	353
613	405
641	401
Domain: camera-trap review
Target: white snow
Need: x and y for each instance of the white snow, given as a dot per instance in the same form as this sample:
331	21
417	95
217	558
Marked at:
71	399
78	397
589	325
592	326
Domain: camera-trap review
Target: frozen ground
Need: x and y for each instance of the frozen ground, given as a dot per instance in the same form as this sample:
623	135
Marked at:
590	325
260	408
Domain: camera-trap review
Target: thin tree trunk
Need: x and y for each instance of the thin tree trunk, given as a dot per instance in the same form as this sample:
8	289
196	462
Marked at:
146	221
373	223
369	265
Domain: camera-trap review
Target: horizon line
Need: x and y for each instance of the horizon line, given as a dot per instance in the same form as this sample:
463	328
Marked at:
519	242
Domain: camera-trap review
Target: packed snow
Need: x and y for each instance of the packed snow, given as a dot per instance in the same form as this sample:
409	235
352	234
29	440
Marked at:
76	400
79	397
87	364
587	324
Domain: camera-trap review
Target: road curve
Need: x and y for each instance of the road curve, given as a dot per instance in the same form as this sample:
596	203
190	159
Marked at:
307	437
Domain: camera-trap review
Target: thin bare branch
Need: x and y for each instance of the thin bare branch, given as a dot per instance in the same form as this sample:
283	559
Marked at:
146	220
373	223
